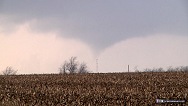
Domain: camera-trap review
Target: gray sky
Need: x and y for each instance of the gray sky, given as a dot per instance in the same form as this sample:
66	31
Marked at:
98	24
101	23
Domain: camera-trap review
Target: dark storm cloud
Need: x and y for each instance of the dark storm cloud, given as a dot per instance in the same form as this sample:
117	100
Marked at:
101	23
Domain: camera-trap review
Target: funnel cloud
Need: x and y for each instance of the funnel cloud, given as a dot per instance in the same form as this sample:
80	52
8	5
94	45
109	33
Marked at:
37	36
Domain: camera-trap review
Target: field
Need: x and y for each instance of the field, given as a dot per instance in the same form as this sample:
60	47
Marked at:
111	89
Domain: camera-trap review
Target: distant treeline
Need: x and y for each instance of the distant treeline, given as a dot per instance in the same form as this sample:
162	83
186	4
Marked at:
170	69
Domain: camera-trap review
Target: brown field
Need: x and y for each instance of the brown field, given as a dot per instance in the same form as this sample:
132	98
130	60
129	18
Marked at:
112	89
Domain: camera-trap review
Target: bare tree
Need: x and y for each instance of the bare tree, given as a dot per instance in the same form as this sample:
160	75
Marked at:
170	69
72	67
83	68
154	70
69	67
159	69
181	68
185	68
9	71
136	69
64	68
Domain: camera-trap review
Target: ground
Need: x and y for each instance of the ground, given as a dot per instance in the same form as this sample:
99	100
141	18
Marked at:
121	89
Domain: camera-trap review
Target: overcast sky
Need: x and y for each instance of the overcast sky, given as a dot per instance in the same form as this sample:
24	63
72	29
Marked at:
36	36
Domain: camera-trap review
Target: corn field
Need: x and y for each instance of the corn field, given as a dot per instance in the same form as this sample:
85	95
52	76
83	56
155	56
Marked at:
99	89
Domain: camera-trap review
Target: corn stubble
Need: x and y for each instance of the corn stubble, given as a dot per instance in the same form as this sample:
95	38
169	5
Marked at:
122	89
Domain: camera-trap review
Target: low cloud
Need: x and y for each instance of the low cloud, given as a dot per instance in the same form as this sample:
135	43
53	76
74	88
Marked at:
160	50
109	23
43	52
34	52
